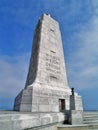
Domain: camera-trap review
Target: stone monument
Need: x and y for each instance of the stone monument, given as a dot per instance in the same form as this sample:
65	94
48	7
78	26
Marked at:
47	100
46	88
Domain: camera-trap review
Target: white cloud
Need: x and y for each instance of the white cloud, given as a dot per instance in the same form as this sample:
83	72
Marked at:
83	66
13	74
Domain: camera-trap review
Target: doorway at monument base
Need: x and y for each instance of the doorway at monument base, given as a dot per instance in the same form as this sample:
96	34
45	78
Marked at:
40	98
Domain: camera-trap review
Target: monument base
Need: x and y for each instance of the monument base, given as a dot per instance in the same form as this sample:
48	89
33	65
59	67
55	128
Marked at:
23	101
43	98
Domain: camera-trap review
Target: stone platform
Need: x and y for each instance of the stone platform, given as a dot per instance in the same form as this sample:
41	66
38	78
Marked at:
10	120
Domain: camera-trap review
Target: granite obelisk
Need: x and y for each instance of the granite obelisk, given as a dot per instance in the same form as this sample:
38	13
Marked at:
46	88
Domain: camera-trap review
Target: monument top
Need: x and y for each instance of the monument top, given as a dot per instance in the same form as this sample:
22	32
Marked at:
48	14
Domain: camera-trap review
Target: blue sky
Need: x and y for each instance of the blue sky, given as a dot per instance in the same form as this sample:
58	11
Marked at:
78	21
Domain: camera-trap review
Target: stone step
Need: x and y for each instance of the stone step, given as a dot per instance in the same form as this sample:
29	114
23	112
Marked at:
90	122
87	115
91	113
90	117
78	127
